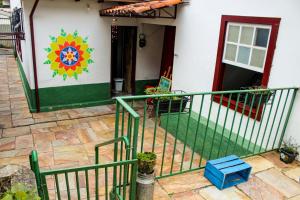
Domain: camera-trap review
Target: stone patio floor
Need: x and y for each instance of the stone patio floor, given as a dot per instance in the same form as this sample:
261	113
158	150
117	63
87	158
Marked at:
66	138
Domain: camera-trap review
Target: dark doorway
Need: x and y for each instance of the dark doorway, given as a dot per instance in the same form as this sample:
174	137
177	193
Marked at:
123	60
168	52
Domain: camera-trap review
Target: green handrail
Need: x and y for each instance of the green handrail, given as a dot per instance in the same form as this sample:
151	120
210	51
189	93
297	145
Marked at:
138	97
119	139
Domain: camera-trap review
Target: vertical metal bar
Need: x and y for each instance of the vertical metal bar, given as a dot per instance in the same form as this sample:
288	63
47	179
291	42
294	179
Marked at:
77	185
106	184
125	178
115	147
279	124
275	115
254	123
34	165
233	119
155	126
144	122
175	143
266	127
197	130
121	154
249	116
186	132
129	129
288	116
261	122
68	186
134	156
241	120
45	187
166	137
96	171
130	138
224	125
57	187
87	184
216	125
205	133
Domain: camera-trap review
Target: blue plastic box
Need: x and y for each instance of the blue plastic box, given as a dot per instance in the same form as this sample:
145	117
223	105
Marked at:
227	172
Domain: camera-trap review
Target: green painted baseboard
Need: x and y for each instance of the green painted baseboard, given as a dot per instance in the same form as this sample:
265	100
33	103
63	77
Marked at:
28	92
75	96
55	98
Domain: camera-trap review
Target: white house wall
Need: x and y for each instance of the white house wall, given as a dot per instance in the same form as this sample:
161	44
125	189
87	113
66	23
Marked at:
151	54
83	16
197	35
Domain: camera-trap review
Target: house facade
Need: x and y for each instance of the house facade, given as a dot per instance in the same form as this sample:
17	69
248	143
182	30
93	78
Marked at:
78	54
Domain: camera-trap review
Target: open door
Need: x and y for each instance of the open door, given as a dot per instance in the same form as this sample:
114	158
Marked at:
168	52
123	60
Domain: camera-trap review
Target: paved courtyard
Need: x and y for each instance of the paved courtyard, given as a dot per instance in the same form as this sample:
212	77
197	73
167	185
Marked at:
67	138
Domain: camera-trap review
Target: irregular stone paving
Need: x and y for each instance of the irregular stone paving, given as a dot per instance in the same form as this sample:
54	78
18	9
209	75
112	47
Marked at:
67	138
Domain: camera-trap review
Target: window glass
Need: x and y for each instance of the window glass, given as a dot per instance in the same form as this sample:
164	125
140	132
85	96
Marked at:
247	35
261	37
230	52
243	55
242	40
258	58
233	33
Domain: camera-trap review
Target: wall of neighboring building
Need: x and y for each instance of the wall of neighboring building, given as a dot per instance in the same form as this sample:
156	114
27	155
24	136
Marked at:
92	88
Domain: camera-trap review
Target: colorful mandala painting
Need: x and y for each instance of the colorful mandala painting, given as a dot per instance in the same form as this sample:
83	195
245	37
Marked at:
68	55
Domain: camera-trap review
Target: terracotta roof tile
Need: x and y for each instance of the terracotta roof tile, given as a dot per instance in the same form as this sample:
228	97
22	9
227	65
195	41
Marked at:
138	8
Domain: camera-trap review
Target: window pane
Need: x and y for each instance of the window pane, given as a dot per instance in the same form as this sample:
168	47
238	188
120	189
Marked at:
247	35
258	58
230	52
243	55
261	37
233	33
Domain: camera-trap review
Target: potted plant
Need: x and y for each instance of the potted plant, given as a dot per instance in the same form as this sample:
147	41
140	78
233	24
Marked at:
163	102
259	96
288	151
145	177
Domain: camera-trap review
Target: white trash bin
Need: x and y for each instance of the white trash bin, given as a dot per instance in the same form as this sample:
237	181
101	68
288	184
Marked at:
119	84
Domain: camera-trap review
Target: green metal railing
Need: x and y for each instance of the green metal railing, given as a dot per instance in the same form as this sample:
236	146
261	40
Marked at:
87	182
187	129
184	130
116	180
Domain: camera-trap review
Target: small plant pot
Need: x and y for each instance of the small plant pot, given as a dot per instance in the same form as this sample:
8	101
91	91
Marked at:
287	157
175	105
146	162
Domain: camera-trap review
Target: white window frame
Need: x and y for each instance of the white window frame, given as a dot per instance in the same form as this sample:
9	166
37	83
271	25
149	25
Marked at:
238	44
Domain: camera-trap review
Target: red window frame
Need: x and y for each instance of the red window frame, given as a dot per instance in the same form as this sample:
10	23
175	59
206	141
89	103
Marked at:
219	69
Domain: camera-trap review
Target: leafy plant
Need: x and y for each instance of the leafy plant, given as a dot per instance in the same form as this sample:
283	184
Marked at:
20	192
290	147
146	162
159	91
259	90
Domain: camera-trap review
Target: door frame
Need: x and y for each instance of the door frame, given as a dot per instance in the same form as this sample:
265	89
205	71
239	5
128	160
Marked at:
134	54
